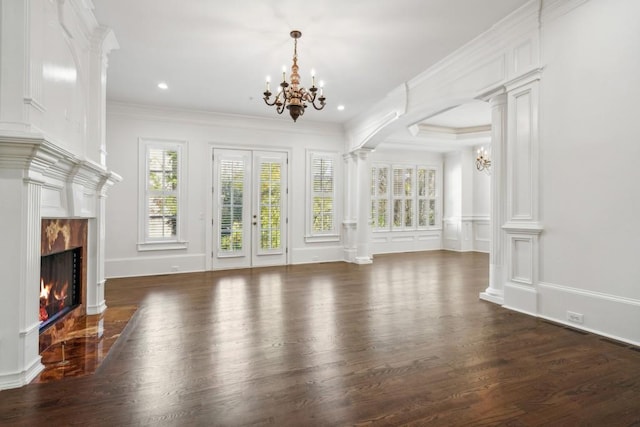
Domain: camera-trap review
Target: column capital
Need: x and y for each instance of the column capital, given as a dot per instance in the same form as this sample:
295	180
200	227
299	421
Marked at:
363	153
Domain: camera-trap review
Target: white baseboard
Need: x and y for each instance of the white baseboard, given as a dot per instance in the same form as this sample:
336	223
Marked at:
608	315
521	298
96	309
149	265
397	241
19	379
317	254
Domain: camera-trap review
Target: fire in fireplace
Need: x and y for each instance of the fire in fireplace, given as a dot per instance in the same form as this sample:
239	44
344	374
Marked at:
60	285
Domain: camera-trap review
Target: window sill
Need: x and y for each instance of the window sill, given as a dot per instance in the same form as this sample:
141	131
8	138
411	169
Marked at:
408	230
161	246
322	238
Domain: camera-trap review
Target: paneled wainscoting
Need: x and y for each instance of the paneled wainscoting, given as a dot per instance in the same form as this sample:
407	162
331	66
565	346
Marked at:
404	340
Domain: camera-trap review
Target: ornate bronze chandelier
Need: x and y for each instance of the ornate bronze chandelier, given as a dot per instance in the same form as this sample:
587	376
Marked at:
293	96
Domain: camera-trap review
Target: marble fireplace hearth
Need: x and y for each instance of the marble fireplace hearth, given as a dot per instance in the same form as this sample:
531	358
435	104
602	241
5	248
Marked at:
88	342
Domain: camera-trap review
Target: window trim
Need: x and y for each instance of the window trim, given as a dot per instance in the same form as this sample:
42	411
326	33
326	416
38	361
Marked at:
145	243
332	235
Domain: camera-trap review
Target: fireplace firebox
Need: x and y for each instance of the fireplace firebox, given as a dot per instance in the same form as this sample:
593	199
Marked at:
60	285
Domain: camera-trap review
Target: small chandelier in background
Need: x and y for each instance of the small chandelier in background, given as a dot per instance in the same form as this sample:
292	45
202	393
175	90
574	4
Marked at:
483	162
291	95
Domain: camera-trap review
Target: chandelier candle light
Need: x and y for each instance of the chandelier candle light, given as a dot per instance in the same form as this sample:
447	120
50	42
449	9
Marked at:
293	96
483	163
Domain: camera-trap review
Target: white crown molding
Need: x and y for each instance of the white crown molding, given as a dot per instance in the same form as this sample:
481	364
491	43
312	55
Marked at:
514	26
554	9
472	130
84	11
175	115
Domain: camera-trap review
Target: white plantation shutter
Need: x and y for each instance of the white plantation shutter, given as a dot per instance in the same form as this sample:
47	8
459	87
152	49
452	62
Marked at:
411	202
321	196
380	197
231	179
162	186
403	198
162	194
426	196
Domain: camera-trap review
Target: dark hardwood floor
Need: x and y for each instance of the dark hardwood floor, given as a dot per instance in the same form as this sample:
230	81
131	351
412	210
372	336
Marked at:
404	341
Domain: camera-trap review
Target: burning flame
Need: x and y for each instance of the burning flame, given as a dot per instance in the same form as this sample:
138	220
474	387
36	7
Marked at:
44	296
61	293
44	290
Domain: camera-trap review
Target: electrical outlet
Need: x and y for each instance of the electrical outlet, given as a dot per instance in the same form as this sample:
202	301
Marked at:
575	317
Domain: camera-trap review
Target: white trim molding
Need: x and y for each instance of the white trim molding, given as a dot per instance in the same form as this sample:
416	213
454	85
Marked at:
600	313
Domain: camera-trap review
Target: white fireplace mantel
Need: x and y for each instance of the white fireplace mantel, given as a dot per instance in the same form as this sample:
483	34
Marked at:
39	179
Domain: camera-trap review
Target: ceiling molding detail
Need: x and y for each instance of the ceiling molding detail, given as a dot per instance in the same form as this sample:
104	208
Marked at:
206	118
426	128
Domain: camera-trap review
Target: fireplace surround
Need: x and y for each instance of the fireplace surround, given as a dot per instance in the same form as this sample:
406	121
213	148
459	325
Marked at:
47	182
63	245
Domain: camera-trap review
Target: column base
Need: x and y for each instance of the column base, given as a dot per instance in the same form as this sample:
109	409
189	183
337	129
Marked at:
363	260
23	378
492	296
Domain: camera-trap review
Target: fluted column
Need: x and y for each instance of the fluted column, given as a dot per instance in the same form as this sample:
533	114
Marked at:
363	246
497	274
20	254
350	221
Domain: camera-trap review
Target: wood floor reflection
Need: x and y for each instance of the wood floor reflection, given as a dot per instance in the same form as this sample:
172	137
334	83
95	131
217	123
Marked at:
403	341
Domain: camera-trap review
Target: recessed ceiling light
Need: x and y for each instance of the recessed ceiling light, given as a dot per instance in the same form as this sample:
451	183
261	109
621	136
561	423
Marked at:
340	107
163	86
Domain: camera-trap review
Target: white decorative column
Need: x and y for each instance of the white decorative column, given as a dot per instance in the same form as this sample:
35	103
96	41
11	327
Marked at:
350	222
522	227
495	290
95	296
363	208
102	43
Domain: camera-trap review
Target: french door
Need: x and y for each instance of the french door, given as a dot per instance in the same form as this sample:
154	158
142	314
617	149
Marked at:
249	208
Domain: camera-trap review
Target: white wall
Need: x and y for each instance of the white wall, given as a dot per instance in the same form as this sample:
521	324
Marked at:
125	124
589	151
452	226
466	203
481	207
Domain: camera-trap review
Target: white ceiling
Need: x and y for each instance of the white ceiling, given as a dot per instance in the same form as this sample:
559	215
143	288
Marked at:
214	55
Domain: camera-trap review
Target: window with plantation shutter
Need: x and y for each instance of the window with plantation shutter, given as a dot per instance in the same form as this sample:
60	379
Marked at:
426	197
232	189
322	196
380	197
405	200
161	205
